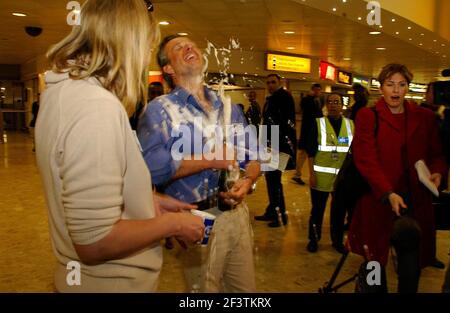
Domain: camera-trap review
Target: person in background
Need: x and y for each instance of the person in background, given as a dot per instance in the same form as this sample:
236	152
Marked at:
328	145
311	109
253	113
279	110
34	112
155	89
398	210
226	264
102	211
361	97
241	106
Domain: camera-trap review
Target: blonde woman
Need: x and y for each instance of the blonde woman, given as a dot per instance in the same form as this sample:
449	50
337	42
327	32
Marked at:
102	214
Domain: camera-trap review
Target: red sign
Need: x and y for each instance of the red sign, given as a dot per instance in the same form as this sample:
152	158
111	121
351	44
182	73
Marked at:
327	71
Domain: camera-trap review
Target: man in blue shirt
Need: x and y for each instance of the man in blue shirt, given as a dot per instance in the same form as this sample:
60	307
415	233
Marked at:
181	142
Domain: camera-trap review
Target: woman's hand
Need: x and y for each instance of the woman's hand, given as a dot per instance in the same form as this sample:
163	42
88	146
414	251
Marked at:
397	203
165	204
436	179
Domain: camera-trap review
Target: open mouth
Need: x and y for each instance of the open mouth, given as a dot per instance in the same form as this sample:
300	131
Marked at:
395	98
190	57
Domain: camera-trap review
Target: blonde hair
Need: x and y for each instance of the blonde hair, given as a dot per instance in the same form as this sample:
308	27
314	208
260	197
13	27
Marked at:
112	43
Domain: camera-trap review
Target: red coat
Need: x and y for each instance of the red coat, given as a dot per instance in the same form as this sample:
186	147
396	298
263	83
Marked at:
379	161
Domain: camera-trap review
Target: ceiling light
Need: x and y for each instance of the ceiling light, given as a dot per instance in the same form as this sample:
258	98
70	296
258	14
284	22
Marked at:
409	27
397	33
381	49
334	9
435	40
443	45
347	59
375	33
420	44
381	26
410	39
19	14
444	56
183	34
344	1
422	34
289	32
164	23
393	20
290	48
359	18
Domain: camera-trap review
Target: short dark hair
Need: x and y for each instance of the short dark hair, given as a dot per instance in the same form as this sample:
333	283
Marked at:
391	69
163	59
316	86
274	75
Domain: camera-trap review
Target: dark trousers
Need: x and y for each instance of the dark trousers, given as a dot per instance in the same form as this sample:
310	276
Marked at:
276	196
319	202
337	219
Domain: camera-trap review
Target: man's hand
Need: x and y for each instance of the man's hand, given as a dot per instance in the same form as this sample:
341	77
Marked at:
397	203
436	179
238	192
165	204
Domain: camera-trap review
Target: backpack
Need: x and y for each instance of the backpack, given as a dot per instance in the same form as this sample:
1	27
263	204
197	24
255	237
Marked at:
350	185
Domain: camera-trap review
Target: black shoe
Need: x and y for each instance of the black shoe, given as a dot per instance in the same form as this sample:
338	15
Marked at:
339	248
298	180
312	246
265	218
437	264
276	223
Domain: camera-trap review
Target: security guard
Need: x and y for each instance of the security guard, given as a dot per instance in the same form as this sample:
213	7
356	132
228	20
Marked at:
327	147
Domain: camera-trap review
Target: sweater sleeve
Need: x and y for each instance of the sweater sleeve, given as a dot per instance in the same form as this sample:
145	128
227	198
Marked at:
92	171
365	154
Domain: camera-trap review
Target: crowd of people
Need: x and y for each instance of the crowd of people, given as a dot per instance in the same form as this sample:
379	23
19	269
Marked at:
114	194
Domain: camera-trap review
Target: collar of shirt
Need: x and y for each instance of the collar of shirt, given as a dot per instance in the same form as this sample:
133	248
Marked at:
187	98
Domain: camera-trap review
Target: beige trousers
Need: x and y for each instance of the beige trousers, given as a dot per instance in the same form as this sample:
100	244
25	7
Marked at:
226	263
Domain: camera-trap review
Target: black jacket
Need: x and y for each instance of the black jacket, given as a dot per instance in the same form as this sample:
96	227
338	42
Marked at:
310	111
279	109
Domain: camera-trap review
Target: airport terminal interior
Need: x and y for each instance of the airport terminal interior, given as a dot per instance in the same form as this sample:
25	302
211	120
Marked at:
332	42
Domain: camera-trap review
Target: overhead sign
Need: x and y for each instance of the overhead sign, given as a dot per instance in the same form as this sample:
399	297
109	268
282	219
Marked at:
287	63
374	84
327	71
361	80
344	78
418	88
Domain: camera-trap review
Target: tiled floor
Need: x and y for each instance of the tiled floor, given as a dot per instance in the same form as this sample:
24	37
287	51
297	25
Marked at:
281	261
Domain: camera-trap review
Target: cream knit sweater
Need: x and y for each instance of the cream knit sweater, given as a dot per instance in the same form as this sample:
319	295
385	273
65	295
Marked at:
93	175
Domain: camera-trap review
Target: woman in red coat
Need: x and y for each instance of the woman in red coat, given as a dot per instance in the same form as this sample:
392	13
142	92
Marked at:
386	156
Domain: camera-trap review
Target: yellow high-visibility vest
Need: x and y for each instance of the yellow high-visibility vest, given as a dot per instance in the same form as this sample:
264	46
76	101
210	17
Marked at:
331	151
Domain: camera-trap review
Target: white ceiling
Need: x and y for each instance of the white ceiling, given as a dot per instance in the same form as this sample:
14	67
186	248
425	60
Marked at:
259	26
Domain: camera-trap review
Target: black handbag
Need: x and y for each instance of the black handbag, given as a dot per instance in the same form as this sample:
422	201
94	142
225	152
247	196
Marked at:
350	185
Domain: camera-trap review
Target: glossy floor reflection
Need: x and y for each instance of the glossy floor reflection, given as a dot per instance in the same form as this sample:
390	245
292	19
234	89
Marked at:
281	260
